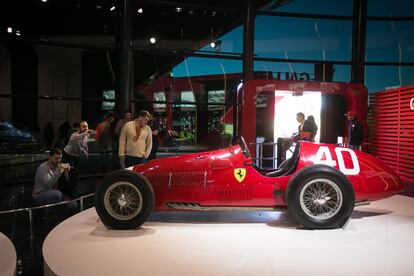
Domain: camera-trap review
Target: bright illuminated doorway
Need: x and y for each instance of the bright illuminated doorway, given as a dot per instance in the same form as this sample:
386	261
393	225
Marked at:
287	105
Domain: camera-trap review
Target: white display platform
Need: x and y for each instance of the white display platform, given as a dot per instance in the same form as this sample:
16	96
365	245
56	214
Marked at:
378	240
8	256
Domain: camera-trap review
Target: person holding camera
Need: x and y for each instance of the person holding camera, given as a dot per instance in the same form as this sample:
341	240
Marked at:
49	176
77	145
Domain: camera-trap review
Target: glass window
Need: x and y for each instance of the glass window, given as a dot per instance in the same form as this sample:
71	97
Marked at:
390	41
159	97
299	38
300	71
195	66
187	96
216	96
202	91
390	8
109	95
334	7
380	78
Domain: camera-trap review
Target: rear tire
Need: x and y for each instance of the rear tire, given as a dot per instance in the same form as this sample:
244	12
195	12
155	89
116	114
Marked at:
124	200
5	147
320	197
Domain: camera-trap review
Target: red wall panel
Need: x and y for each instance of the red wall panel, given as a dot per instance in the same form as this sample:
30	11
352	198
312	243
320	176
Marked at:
391	129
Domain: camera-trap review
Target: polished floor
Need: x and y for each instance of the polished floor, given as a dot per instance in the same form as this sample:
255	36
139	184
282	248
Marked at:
377	240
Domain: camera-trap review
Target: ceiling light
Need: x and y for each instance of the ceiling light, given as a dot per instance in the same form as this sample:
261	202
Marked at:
190	12
213	13
44	1
18	33
153	40
216	44
140	10
9	30
178	9
112	8
98	7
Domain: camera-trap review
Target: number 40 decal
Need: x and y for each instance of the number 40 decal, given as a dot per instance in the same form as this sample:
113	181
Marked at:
341	164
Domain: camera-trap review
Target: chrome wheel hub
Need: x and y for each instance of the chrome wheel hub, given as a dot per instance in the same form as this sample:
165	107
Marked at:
123	200
321	199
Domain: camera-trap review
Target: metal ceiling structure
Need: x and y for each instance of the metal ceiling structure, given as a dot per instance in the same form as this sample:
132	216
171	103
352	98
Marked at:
124	28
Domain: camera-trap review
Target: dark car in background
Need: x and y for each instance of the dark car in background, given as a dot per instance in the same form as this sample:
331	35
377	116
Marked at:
14	136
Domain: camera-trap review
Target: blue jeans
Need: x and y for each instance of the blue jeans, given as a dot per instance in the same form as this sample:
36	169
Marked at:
53	196
132	160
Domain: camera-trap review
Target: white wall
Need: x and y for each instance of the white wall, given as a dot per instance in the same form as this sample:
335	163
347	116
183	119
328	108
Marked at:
5	83
59	74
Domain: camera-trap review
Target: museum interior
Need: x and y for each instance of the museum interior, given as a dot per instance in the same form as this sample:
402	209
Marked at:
252	137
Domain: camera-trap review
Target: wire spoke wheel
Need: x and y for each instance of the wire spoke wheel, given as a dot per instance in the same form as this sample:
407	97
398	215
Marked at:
123	200
321	199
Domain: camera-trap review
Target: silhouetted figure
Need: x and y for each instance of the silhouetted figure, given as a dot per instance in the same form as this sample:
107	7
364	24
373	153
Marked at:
311	127
355	133
63	134
155	127
49	134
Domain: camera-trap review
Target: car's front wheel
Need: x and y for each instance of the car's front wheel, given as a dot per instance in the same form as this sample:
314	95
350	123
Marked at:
320	197
124	200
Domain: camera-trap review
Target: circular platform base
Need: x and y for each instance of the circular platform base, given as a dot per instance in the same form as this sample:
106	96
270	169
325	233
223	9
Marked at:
8	256
377	240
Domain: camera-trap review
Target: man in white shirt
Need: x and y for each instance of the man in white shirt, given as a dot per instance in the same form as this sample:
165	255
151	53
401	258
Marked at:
135	141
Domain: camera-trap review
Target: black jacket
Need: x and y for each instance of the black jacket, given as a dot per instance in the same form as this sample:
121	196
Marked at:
355	133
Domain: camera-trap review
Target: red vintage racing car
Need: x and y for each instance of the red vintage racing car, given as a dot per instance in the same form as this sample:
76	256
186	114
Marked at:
320	185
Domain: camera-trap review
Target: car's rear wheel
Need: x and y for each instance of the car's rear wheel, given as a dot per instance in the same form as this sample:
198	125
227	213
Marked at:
320	197
124	200
5	147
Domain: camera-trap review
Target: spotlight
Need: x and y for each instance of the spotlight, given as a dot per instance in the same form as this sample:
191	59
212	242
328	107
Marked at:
178	9
44	1
18	33
112	8
153	40
213	13
9	30
98	7
140	10
216	44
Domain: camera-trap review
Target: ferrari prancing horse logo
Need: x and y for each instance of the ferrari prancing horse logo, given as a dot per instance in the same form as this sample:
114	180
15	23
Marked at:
240	174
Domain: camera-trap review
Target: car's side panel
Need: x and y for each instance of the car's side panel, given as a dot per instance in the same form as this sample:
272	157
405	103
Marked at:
208	179
370	177
226	178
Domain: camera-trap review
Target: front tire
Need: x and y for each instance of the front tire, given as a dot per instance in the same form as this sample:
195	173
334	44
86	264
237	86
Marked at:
320	197
124	200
